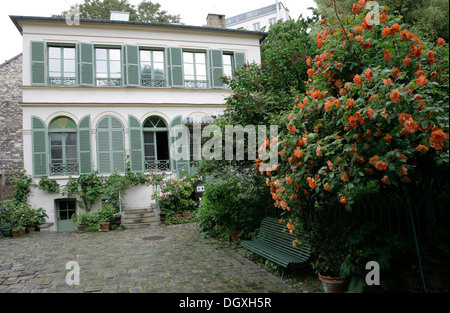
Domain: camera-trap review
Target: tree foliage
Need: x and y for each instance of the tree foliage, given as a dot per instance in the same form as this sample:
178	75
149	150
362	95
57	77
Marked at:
145	11
429	17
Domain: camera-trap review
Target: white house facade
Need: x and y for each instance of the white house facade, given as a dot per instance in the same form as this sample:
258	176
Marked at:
257	19
99	92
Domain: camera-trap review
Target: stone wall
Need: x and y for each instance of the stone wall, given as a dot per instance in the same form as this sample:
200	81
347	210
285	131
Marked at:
11	142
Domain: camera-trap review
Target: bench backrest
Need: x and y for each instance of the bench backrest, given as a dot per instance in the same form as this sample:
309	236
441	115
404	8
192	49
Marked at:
276	234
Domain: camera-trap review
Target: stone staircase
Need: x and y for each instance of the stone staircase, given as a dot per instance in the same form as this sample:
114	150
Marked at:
140	217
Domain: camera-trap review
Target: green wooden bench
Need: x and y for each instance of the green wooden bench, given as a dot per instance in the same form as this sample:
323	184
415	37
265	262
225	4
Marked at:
275	244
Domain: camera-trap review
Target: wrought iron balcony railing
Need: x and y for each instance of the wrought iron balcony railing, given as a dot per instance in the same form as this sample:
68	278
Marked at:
155	83
156	166
198	84
64	169
109	82
61	81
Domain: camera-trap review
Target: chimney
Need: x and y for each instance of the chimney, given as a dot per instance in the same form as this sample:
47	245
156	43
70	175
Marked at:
216	21
120	16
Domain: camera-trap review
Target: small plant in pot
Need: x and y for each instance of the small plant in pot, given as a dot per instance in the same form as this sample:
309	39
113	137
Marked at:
105	216
118	219
18	231
329	249
81	220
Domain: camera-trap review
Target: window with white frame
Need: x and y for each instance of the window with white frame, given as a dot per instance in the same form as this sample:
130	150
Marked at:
61	66
195	75
108	67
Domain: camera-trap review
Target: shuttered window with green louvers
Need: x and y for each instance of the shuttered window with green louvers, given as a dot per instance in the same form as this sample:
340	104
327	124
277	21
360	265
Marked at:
39	145
110	145
38	59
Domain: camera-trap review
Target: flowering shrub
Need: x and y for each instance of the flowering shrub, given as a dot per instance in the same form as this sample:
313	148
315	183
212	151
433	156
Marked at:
177	195
376	110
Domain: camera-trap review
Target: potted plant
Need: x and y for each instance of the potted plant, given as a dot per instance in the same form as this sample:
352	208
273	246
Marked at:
81	220
18	231
118	219
329	249
105	216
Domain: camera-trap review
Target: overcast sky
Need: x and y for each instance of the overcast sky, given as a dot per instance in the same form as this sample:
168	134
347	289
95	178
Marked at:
192	12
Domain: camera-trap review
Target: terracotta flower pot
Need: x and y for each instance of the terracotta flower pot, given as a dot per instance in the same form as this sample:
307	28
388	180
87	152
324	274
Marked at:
81	228
332	284
18	234
187	216
31	230
234	235
104	227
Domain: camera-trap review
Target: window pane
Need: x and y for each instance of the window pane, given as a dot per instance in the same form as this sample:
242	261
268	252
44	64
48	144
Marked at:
71	139
57	154
115	67
69	53
100	54
188	69
200	58
201	69
158	56
54	65
102	67
56	139
71	153
226	59
146	70
54	53
145	56
188	57
69	66
114	54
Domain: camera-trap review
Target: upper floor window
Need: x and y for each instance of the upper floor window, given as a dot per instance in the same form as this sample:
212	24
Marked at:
228	65
272	21
195	75
152	68
257	26
61	66
108	67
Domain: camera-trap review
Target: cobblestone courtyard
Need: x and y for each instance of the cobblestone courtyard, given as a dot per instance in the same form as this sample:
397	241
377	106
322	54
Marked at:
173	259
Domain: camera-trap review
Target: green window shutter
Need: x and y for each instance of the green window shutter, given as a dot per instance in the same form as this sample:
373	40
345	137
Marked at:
239	60
179	147
136	151
110	145
84	145
175	66
104	146
132	75
216	68
38	62
86	68
39	135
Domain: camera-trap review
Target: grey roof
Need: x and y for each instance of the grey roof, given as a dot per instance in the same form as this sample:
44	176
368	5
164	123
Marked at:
16	18
10	60
253	14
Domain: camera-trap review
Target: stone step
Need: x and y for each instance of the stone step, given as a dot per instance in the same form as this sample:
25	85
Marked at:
139	214
139	217
140	220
